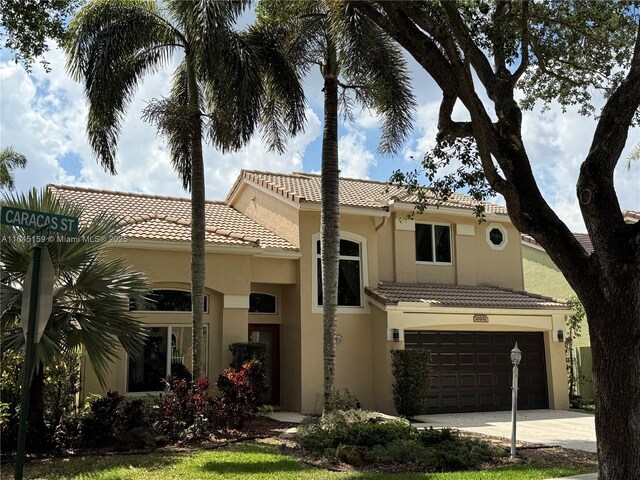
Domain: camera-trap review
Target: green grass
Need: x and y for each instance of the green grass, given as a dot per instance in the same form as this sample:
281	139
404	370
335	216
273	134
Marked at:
243	462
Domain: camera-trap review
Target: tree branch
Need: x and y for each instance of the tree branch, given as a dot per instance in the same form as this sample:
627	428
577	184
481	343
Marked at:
524	43
446	126
476	57
595	188
396	22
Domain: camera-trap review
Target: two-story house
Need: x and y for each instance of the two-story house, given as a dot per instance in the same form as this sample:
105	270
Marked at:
439	281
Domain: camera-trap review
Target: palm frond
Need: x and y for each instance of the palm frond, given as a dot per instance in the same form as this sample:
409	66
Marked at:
9	161
112	47
175	119
370	59
283	108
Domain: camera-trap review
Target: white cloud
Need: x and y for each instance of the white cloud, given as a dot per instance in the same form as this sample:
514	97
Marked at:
354	157
44	116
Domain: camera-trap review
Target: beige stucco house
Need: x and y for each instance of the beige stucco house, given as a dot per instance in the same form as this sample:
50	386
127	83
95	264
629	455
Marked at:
439	281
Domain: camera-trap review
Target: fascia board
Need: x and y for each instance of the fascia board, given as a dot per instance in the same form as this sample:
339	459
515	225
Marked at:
269	192
455	212
347	210
415	307
185	246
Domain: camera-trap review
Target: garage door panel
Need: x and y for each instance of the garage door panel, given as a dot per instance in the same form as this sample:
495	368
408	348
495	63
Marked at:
472	370
467	380
466	359
448	381
485	380
484	359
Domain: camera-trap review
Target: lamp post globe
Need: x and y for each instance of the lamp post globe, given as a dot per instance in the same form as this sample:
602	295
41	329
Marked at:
516	355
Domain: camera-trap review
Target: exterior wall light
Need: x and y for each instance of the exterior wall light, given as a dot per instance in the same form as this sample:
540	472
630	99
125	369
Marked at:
396	334
561	335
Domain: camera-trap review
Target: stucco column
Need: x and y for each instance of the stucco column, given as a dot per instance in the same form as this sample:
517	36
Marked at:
235	324
558	379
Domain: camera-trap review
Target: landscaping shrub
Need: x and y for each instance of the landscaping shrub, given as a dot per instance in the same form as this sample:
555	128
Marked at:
187	411
411	371
243	352
242	390
356	438
351	427
342	399
59	383
180	370
99	426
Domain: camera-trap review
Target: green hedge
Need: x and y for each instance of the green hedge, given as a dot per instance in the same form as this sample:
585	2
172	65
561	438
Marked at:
242	352
411	371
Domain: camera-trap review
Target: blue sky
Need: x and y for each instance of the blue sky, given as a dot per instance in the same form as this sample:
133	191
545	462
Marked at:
43	116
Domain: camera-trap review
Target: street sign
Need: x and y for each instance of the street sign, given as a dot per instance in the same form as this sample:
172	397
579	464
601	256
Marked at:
45	295
20	217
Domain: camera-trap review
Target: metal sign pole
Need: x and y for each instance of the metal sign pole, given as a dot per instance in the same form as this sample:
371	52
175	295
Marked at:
29	353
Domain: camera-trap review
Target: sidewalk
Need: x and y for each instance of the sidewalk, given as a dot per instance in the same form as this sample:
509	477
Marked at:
586	476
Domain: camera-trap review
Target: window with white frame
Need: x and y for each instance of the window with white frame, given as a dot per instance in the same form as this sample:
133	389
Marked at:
497	236
351	271
433	243
166	351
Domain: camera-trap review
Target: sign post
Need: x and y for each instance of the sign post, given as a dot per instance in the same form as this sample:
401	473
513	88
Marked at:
39	301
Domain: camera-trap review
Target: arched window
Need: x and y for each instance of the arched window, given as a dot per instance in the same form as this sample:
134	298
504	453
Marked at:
262	303
166	301
351	273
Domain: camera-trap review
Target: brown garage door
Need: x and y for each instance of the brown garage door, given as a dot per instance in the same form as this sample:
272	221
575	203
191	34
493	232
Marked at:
472	370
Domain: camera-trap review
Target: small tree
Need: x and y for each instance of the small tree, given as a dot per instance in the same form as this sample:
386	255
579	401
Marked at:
574	328
411	371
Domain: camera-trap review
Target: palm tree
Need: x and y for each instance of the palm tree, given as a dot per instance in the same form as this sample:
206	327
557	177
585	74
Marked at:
226	84
91	294
357	58
9	161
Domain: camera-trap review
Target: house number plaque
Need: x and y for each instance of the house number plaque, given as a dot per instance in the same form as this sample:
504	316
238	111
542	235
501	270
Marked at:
480	319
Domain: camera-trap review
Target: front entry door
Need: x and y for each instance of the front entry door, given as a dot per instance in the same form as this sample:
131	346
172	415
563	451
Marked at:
269	334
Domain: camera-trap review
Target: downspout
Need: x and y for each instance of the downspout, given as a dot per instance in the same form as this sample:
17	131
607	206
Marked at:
384	220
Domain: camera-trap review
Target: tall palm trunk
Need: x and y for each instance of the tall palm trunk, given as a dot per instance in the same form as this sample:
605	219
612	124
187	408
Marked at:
197	221
330	229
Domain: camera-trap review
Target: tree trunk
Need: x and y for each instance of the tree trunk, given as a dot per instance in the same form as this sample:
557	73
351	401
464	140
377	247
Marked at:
614	325
330	228
197	221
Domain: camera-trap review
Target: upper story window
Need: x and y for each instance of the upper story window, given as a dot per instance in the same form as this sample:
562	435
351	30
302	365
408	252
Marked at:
433	243
497	236
262	303
166	301
351	272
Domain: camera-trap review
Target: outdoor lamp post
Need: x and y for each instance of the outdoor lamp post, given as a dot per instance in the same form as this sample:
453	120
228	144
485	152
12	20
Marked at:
516	356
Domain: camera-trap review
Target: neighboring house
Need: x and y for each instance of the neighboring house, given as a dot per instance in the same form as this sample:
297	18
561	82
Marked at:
439	281
542	276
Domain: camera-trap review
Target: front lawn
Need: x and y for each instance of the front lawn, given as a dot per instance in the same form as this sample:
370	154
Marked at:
242	462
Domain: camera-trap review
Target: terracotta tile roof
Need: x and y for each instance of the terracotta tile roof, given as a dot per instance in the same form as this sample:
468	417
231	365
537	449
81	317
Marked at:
583	239
154	217
305	187
631	216
390	293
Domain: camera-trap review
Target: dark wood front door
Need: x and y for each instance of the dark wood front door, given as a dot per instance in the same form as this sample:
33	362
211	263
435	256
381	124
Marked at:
471	371
269	334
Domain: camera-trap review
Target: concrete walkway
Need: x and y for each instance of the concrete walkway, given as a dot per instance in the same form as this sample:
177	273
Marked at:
546	427
586	476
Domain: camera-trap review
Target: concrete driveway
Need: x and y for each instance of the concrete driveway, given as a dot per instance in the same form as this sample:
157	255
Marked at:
547	427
